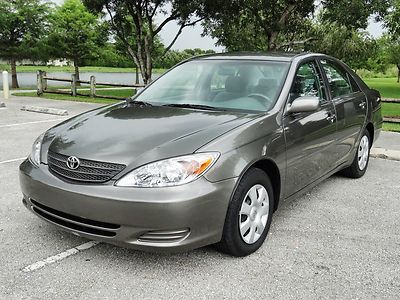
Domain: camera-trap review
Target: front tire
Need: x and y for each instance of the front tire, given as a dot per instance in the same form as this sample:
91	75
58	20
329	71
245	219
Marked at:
360	163
249	215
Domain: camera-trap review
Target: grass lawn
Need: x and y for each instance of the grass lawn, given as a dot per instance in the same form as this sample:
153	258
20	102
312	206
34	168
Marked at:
391	109
388	87
123	93
116	93
391	127
88	69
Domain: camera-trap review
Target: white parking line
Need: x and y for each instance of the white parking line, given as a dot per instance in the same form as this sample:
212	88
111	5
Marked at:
58	257
33	122
11	160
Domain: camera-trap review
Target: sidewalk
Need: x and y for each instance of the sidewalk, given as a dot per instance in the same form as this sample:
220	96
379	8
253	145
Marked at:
387	146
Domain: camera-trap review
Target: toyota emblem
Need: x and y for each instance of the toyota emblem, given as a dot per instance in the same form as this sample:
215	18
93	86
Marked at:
73	162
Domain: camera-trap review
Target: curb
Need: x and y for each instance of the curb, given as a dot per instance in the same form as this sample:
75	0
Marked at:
45	110
385	154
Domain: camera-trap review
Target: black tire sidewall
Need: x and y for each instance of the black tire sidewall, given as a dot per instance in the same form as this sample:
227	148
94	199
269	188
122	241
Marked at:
232	237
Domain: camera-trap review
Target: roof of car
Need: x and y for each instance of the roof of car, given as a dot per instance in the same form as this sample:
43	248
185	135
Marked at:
277	56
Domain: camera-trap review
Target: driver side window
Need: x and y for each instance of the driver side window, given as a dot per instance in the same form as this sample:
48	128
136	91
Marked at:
308	82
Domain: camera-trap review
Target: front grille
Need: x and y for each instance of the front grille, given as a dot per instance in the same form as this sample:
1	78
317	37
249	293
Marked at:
89	171
74	222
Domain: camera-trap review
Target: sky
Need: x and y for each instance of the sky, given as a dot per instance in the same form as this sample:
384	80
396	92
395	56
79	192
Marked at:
191	36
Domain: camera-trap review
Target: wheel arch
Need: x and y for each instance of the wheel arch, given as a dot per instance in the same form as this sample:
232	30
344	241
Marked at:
370	129
271	169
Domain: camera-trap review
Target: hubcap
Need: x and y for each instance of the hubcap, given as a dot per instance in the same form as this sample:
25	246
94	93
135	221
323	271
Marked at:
253	214
363	150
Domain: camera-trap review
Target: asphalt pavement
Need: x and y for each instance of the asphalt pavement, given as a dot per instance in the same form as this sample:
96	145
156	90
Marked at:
339	241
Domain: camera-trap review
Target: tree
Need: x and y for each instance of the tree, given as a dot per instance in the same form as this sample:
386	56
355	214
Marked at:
354	14
392	22
174	57
76	33
393	52
258	24
22	25
133	23
352	46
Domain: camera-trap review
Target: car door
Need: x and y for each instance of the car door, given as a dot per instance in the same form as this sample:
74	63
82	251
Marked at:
309	136
350	105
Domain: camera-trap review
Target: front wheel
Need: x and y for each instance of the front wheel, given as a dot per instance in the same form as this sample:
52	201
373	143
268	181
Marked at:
249	215
360	163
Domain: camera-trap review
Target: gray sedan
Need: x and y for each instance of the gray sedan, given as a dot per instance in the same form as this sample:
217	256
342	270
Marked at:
205	154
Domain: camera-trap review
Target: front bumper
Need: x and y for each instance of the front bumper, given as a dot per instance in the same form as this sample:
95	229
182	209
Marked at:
159	219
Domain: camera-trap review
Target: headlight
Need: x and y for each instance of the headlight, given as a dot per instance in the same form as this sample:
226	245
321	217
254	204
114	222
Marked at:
36	147
170	172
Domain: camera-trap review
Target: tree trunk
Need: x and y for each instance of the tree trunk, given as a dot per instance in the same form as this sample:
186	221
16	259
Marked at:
14	77
398	73
76	65
137	76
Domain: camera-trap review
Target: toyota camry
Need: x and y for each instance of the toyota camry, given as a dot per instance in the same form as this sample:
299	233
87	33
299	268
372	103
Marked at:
205	154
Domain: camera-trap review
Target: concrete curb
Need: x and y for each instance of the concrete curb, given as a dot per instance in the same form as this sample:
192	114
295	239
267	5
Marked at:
45	110
385	154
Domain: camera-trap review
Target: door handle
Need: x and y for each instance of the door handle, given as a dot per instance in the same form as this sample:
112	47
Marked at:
331	118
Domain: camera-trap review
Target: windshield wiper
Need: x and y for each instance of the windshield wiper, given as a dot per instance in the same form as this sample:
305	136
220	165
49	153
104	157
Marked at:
195	106
130	101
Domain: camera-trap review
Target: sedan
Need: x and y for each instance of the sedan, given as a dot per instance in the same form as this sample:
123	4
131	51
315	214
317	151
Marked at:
205	154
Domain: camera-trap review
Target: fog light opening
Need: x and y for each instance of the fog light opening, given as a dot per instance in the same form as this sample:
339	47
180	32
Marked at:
164	236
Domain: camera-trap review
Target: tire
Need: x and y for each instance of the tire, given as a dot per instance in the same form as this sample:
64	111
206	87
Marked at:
239	244
358	167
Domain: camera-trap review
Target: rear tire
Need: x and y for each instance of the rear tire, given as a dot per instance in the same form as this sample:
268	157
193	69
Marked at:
360	163
249	215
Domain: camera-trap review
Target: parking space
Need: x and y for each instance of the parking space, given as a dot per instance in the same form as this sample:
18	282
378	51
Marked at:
341	240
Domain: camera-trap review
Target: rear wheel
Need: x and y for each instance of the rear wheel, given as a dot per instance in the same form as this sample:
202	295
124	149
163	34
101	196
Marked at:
360	163
249	215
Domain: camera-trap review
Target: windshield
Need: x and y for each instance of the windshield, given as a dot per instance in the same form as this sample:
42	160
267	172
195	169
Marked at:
220	84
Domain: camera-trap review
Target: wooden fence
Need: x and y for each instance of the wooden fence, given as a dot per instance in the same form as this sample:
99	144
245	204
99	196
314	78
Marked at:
42	87
391	119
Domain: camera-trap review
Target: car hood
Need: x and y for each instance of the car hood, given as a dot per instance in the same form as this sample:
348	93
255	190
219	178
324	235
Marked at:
128	134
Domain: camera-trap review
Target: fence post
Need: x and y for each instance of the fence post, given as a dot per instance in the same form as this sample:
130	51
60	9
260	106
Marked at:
92	86
6	87
73	85
40	83
44	78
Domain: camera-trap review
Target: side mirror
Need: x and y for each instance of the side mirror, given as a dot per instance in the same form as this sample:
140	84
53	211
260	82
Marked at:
304	104
139	90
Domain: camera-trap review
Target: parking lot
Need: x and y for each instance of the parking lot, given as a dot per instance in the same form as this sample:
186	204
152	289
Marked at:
341	240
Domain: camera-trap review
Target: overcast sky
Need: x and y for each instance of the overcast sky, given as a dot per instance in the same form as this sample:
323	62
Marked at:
191	36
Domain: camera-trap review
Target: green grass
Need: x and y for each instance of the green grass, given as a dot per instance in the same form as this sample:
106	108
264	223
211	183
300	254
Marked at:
391	127
116	93
391	109
388	87
390	72
88	69
125	93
